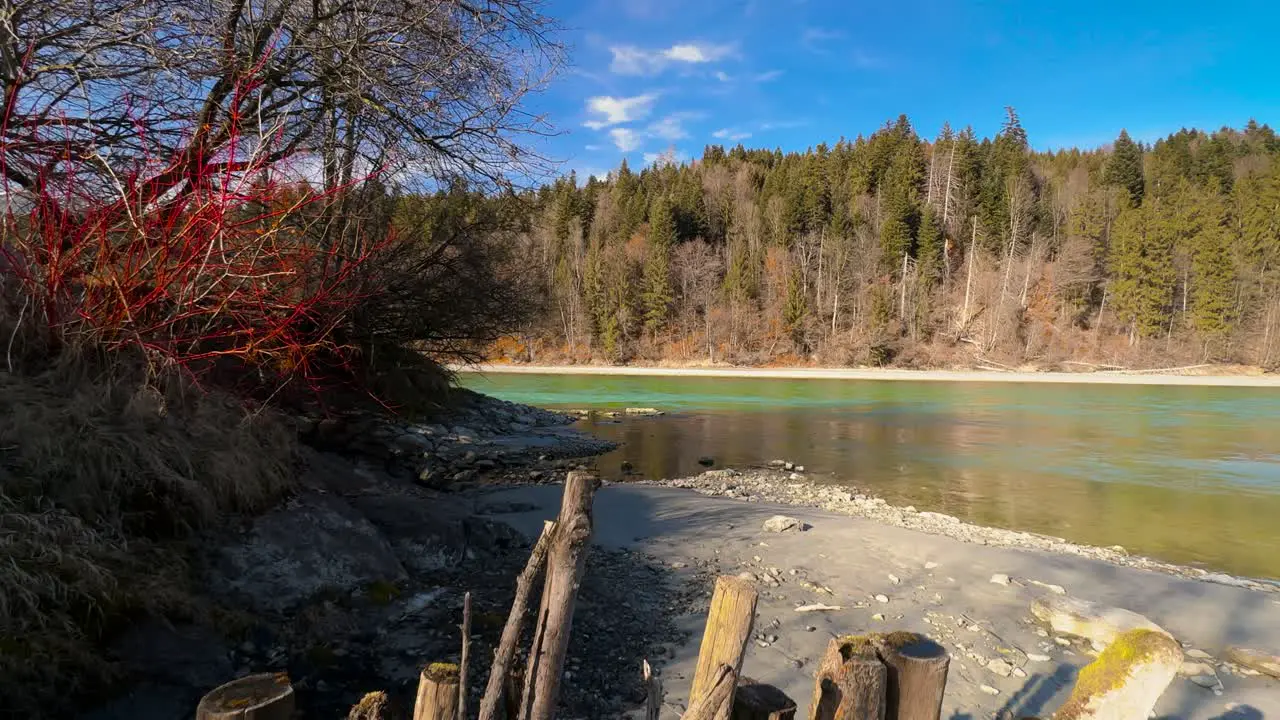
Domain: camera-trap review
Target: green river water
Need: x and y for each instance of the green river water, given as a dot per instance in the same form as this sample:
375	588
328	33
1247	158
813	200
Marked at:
1185	474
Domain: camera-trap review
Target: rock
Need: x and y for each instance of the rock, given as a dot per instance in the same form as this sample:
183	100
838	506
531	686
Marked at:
930	565
749	577
788	466
1055	589
795	477
1019	672
1062	641
645	411
317	543
988	690
706	461
894	579
1126	680
882	598
1098	623
1263	662
1207	682
1192	669
777	463
1197	654
799	468
810	628
1000	667
1000	579
784	523
878	616
1038	658
679	565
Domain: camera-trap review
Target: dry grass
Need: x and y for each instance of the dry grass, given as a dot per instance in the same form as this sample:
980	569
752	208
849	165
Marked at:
104	475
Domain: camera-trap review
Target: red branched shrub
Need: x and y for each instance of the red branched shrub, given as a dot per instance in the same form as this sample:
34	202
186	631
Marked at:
200	262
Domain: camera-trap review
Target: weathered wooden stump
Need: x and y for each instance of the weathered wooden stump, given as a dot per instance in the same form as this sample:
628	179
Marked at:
917	676
437	693
725	638
717	701
851	682
759	701
267	696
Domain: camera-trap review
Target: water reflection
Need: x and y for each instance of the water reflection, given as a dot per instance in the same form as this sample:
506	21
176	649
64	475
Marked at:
1186	474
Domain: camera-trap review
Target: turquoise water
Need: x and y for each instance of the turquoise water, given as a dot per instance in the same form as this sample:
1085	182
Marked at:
1186	474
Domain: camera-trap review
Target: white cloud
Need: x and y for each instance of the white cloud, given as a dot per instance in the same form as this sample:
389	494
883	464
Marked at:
732	134
615	111
722	76
631	60
625	138
671	127
767	76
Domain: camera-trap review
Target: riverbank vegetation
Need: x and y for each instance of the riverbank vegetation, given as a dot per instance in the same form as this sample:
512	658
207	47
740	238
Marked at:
891	249
210	225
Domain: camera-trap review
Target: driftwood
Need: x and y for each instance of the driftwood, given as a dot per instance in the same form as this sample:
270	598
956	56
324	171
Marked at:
500	689
266	696
566	560
716	701
851	682
758	701
466	656
437	693
724	641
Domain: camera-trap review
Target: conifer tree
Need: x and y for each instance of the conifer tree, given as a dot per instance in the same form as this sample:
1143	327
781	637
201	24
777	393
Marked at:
1142	270
1124	169
929	252
656	296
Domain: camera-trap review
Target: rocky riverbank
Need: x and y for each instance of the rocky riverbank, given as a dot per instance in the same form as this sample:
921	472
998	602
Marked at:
356	581
786	483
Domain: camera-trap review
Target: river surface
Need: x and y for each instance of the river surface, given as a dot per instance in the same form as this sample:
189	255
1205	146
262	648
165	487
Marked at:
1184	474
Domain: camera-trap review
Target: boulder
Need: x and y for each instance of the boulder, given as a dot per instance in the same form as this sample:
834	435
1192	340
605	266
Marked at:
1126	680
1264	662
1097	623
784	523
316	543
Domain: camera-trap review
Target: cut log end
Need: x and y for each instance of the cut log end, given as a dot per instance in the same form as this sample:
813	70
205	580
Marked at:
266	696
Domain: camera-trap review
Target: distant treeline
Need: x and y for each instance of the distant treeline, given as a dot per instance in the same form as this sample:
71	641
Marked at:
894	249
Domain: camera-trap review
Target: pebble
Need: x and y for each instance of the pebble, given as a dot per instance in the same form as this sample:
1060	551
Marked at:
679	565
1000	667
894	579
1195	669
810	628
1062	641
882	599
1019	673
878	616
1036	657
1000	579
1197	654
749	577
988	690
762	643
930	565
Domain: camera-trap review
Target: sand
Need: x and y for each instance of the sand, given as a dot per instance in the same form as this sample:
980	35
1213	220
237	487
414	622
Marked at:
1102	378
944	591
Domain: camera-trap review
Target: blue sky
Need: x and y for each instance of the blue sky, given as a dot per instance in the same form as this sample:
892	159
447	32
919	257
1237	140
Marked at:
654	76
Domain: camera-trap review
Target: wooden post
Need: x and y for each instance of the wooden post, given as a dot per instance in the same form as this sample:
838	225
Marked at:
566	561
758	701
850	683
466	652
917	675
266	696
718	699
653	693
724	641
499	683
437	693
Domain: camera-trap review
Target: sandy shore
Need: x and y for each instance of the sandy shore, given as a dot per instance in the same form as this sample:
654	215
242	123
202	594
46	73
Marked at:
1102	378
937	585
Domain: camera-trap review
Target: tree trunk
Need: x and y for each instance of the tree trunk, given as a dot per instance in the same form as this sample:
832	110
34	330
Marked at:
725	638
500	673
565	563
266	696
